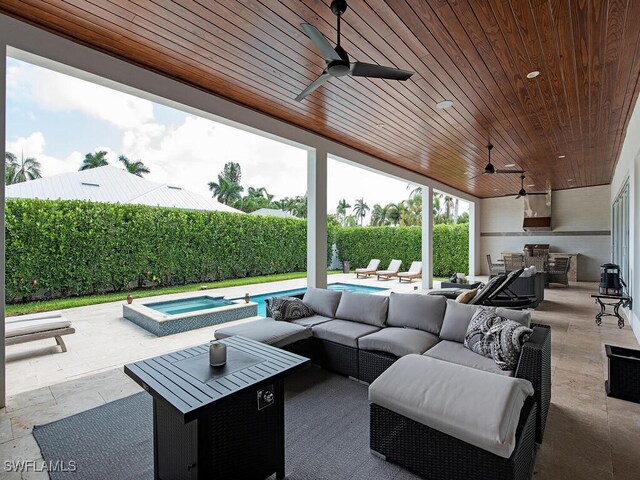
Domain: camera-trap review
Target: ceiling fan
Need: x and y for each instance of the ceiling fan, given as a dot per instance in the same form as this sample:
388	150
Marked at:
490	169
523	192
338	63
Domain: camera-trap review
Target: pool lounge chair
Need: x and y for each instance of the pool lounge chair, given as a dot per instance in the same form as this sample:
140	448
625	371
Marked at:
415	271
38	326
368	270
392	271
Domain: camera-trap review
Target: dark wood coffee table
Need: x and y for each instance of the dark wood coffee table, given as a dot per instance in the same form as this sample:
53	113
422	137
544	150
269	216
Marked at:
218	422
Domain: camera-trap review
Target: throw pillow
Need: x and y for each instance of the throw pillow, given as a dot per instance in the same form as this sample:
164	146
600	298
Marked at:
287	308
495	337
466	296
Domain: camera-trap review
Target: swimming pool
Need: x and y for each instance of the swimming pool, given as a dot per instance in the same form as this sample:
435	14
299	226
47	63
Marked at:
262	307
185	305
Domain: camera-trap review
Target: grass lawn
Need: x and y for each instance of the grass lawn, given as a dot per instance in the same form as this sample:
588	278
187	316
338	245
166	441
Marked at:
62	303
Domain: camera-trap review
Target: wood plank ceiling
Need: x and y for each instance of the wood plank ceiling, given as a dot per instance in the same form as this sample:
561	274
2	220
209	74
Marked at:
474	52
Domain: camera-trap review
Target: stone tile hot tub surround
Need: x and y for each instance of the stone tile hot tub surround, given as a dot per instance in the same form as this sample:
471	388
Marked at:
161	324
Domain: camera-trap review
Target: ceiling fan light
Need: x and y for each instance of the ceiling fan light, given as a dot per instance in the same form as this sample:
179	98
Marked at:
489	169
522	192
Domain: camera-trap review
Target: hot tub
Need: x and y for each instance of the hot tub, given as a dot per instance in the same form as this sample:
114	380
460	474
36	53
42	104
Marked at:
175	316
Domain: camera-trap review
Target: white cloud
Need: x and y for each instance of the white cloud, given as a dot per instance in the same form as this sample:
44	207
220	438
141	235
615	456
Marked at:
34	146
63	93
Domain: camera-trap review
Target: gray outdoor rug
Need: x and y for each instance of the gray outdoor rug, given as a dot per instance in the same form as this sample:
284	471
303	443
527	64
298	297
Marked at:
327	435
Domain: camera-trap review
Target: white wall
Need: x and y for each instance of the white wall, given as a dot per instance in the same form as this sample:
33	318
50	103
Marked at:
629	168
580	219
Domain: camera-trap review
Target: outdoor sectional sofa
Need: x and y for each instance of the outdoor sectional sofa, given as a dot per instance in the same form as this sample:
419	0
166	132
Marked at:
363	335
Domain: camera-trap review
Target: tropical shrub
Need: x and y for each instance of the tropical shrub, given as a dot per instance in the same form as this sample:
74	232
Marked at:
450	246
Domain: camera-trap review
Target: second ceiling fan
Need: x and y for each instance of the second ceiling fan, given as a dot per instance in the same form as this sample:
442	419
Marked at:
523	192
338	63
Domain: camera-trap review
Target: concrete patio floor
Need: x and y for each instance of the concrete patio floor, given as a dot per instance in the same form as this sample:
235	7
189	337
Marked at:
588	435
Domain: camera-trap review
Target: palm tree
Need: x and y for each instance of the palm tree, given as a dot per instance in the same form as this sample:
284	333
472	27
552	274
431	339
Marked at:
225	191
20	171
137	168
437	205
94	160
394	212
10	167
232	172
448	207
341	210
360	209
380	215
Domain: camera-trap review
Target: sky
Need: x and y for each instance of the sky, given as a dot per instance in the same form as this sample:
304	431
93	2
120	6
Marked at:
57	119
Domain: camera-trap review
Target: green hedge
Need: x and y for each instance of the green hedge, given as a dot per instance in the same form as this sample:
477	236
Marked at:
450	246
79	248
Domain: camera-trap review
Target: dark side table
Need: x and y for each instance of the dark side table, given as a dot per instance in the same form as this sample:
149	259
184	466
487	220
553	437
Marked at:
218	422
615	301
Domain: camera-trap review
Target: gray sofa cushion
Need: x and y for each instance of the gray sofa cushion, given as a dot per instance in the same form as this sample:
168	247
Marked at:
456	320
343	332
363	308
398	341
424	312
324	302
457	353
476	407
311	321
267	330
521	316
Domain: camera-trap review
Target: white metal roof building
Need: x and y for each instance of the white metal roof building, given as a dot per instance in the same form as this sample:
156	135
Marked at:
272	212
113	185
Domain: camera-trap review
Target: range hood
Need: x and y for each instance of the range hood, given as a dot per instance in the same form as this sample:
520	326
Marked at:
537	213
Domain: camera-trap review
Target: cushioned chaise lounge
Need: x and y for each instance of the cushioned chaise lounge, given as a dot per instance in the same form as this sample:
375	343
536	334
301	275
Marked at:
415	271
37	326
368	270
392	271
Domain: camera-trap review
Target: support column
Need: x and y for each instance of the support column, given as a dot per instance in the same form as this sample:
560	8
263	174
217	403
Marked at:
317	218
474	239
427	237
3	90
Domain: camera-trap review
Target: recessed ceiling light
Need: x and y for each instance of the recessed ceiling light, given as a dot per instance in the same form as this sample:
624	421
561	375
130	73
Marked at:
444	104
531	185
495	189
380	125
533	74
509	165
561	156
570	180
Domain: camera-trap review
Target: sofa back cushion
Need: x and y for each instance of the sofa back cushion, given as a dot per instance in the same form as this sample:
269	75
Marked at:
521	316
423	312
363	308
457	317
323	302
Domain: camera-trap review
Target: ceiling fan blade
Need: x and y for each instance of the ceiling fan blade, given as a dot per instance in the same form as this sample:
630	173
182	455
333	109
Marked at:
359	69
538	193
321	43
518	196
509	171
314	86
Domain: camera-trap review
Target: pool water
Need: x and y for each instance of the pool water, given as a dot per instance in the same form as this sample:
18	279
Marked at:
262	307
185	305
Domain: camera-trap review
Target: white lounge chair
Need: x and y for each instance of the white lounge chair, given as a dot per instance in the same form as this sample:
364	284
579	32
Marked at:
415	271
37	326
369	269
392	271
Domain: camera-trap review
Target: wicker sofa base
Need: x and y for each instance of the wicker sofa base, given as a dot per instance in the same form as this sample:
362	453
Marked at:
339	358
372	364
438	456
